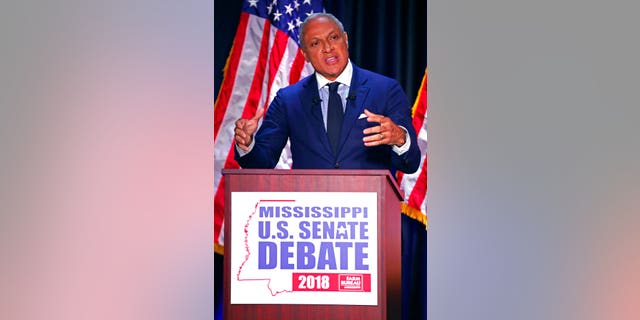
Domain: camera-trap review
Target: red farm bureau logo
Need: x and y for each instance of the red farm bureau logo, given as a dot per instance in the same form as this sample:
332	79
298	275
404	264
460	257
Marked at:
351	282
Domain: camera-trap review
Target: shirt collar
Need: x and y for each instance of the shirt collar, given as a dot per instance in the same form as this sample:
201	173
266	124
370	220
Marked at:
344	77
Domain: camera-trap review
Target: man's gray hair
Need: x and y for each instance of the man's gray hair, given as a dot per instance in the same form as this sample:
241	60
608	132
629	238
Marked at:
313	16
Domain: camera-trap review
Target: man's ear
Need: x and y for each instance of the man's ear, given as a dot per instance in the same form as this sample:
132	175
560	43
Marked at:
346	39
304	54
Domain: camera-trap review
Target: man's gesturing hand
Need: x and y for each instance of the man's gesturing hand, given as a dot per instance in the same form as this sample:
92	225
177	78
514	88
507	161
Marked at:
245	128
385	133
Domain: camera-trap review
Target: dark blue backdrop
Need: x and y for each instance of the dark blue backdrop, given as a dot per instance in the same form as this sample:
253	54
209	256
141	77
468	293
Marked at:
388	37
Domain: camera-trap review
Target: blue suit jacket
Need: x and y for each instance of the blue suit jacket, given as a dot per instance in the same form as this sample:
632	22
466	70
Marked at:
295	114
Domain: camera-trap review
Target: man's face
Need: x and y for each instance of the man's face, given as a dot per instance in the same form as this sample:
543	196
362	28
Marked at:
326	47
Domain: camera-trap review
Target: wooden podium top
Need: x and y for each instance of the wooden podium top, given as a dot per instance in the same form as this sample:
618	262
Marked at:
323	172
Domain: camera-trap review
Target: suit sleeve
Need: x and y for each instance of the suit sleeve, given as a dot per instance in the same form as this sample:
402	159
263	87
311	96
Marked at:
270	139
399	111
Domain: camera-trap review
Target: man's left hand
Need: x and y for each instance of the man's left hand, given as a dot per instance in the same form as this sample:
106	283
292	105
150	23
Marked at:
386	132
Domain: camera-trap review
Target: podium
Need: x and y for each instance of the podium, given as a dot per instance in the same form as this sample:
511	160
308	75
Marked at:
264	182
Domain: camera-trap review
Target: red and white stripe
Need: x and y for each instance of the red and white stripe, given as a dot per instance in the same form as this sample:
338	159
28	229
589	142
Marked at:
415	184
263	59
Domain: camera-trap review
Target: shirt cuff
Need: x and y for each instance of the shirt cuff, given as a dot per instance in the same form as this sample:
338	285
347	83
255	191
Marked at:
407	143
241	152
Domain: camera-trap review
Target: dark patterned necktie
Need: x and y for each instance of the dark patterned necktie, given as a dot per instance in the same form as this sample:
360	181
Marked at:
334	116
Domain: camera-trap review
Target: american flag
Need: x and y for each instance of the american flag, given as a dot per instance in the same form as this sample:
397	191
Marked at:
264	58
415	184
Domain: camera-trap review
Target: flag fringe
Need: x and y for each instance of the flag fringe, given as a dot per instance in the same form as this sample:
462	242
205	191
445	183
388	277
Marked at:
224	74
420	92
218	248
416	214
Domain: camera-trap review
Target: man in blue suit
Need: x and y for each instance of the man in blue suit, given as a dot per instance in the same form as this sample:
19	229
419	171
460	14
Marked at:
340	117
372	130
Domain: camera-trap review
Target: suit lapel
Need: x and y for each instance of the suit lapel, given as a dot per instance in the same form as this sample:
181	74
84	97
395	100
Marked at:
311	102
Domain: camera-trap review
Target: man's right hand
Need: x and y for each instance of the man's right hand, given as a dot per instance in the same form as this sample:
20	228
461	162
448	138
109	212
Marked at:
245	128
